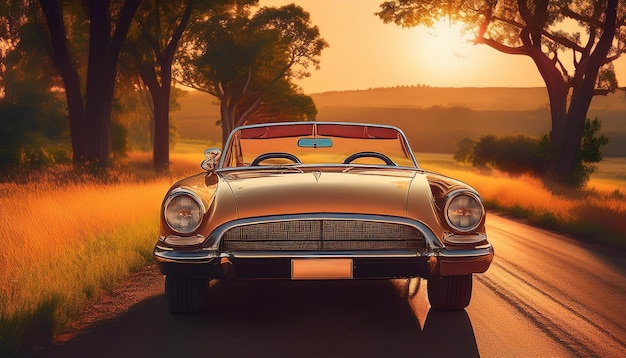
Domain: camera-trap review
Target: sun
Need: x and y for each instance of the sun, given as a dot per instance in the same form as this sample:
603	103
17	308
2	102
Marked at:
445	44
444	51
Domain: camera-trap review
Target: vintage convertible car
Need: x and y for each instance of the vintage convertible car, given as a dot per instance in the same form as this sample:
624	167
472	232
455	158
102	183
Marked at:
319	200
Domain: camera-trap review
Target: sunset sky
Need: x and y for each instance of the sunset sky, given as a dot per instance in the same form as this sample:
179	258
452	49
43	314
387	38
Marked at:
366	53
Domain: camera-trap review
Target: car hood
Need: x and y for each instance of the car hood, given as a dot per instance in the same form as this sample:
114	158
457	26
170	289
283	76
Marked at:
231	195
363	192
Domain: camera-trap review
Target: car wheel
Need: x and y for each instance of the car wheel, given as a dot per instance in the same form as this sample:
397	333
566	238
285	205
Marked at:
186	294
449	293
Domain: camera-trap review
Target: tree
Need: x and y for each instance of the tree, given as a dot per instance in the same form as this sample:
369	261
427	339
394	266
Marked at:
284	101
535	29
521	154
152	44
33	123
90	117
248	62
590	151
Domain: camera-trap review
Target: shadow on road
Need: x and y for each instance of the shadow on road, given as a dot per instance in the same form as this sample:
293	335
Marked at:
281	319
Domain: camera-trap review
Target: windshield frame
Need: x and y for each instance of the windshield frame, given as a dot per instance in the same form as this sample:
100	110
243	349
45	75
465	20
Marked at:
351	126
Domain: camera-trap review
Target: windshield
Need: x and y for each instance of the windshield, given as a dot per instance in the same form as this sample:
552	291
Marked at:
317	143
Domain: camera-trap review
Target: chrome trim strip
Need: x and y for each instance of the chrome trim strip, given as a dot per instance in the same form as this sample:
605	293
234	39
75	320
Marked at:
206	256
184	256
478	252
299	167
465	239
177	240
334	254
431	240
487	245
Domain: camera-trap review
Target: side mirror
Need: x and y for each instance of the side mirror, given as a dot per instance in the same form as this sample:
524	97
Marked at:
212	156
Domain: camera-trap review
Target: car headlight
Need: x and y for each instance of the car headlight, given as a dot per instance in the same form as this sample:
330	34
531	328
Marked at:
183	212
464	211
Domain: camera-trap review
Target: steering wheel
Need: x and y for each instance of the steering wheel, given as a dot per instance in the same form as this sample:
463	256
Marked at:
376	155
275	155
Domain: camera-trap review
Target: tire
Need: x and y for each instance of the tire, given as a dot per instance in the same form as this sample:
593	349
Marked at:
186	294
449	293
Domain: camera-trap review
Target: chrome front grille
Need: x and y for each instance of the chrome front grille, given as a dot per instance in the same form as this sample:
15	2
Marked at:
322	235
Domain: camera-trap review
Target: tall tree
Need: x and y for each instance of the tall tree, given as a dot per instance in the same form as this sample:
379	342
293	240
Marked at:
158	28
90	117
535	29
245	60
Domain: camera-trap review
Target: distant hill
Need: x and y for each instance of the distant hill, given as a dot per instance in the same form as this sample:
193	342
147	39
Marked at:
425	97
433	118
475	98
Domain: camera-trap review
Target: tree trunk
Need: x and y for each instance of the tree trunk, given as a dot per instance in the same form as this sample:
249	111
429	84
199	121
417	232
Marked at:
161	153
565	154
568	124
160	96
161	149
60	56
227	120
100	82
90	124
228	108
99	97
78	125
558	166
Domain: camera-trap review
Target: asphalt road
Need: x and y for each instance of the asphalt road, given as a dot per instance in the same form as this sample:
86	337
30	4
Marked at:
544	296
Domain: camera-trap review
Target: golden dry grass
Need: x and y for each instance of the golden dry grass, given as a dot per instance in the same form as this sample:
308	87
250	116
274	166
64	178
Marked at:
596	213
47	226
65	244
65	247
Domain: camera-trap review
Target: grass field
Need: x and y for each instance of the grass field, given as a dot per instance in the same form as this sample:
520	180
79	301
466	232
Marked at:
68	243
596	213
67	246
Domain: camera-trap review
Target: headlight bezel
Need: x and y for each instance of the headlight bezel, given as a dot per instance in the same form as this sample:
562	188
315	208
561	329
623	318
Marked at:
450	199
170	200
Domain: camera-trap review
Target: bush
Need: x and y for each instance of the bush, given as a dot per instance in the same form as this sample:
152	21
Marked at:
514	154
524	154
464	150
33	133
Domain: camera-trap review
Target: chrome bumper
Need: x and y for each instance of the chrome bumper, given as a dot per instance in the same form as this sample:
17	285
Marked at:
391	264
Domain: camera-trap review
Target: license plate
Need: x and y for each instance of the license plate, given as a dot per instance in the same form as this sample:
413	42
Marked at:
321	269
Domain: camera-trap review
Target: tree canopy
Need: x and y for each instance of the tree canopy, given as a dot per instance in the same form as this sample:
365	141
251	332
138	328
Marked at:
248	61
572	43
104	56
